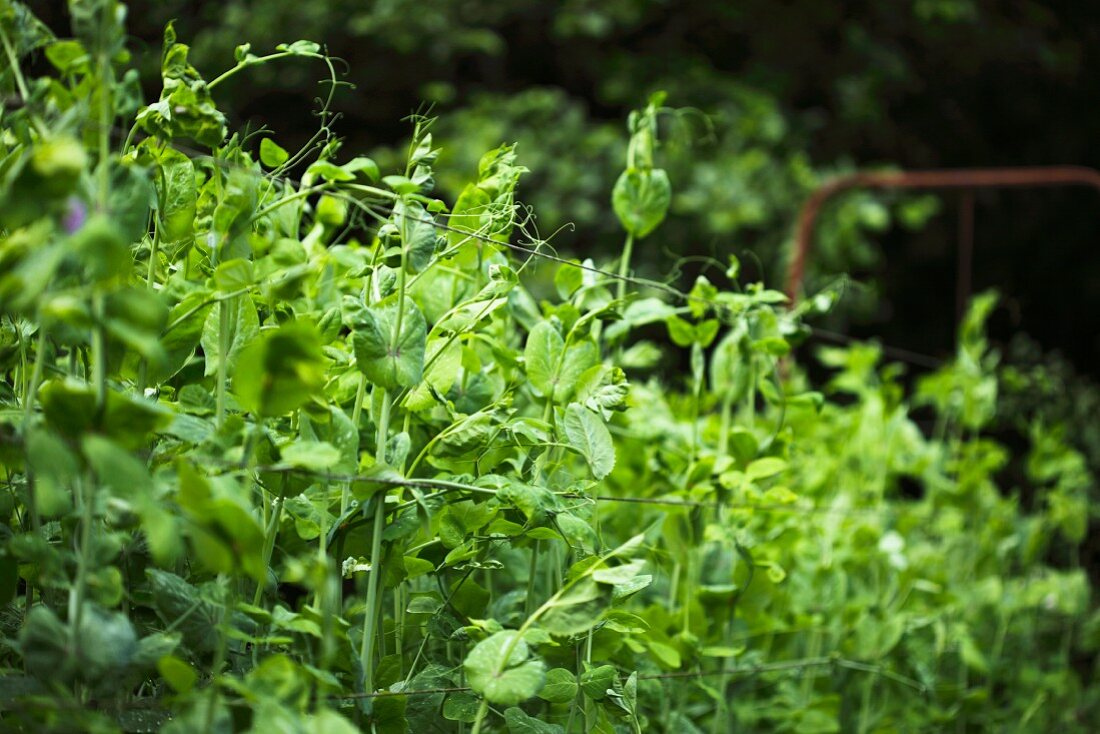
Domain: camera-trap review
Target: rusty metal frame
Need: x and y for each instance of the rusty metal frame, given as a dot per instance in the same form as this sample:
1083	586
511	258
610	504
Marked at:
966	179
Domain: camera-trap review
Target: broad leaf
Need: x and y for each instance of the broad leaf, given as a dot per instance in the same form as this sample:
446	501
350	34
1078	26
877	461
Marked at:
542	356
587	434
501	669
389	353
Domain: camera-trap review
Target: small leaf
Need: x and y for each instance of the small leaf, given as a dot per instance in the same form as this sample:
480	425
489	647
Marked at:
177	673
518	722
561	686
317	455
766	467
271	154
597	681
641	199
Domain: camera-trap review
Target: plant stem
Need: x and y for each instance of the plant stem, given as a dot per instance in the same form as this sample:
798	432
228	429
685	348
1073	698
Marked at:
223	360
370	618
356	414
28	413
85	492
99	354
532	570
482	709
269	543
624	266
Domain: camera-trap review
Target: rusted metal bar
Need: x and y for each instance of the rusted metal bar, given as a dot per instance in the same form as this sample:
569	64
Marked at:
962	178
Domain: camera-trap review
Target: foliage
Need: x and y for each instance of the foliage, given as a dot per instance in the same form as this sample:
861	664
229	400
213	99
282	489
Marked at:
332	454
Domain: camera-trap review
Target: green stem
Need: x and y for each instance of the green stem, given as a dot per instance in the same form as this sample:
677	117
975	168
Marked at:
482	710
269	544
724	426
20	82
104	130
532	570
28	413
370	620
371	614
624	266
256	62
356	414
223	360
99	353
86	491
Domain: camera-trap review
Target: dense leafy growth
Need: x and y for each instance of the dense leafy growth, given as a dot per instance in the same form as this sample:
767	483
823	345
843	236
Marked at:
290	444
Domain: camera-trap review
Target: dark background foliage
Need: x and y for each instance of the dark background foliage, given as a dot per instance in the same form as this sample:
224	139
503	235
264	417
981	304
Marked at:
795	90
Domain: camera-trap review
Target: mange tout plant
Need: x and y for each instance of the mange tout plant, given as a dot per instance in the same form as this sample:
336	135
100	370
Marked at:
329	454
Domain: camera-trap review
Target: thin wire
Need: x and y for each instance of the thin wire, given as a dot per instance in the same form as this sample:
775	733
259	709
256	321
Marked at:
902	354
690	675
899	353
793	509
447	486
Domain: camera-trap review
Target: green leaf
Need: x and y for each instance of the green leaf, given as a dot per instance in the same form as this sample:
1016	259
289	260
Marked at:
271	154
586	433
177	673
766	467
443	360
602	389
155	646
542	356
280	371
417	234
244	328
185	108
501	669
680	331
641	199
561	686
537	503
233	275
317	455
329	171
519	722
178	201
107	644
55	470
390	359
596	682
576	611
461	707
179	603
579	358
129	480
43	642
364	165
470	210
300	48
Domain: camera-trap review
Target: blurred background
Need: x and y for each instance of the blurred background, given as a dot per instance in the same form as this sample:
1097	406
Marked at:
776	97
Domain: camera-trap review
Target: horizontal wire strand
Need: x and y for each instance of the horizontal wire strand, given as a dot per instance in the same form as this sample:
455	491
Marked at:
902	354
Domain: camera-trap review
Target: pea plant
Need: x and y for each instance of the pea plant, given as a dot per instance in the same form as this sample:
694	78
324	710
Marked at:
291	444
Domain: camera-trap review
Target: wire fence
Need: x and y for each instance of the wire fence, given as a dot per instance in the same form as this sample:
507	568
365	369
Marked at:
536	249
